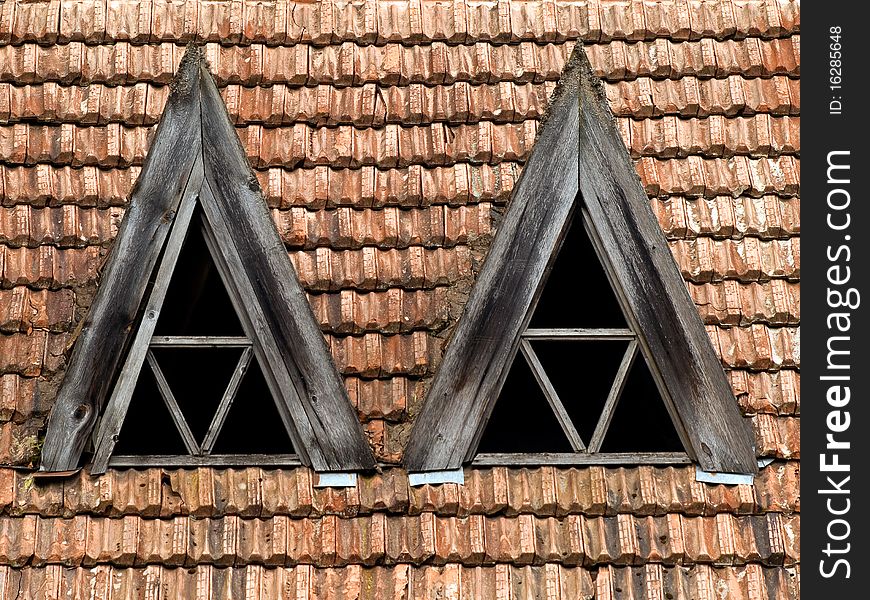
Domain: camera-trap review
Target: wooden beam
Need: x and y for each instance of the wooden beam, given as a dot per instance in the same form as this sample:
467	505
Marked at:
673	338
116	409
212	460
578	334
613	397
580	459
223	410
478	357
105	331
190	442
199	341
552	397
326	424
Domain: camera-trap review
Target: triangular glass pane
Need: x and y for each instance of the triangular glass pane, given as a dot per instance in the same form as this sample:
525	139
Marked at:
198	378
148	427
197	302
577	292
253	425
522	420
582	372
641	422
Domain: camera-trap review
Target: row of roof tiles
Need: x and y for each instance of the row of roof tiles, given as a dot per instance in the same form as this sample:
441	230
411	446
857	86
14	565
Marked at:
305	582
701	260
748	259
699	582
374	105
349	64
376	22
392	146
776	302
461	183
542	491
696	176
436	144
690	97
765	217
449	582
771	539
395	310
71	226
346	228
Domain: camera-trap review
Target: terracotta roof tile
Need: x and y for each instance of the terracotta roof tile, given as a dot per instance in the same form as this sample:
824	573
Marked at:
46	267
68	226
19	401
700	581
776	302
765	217
23	309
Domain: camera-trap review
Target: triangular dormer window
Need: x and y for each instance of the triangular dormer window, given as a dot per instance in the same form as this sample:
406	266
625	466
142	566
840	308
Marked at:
200	319
581	374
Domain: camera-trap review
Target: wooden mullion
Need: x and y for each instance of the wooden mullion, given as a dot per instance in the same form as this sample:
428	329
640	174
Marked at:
119	401
223	410
579	459
613	397
552	397
213	460
200	341
228	263
172	405
579	334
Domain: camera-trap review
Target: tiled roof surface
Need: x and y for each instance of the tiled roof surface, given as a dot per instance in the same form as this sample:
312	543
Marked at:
387	136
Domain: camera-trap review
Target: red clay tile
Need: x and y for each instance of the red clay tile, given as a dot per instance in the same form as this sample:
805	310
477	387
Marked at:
17	539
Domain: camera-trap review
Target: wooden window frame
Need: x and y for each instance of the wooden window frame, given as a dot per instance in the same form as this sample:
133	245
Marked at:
196	154
580	162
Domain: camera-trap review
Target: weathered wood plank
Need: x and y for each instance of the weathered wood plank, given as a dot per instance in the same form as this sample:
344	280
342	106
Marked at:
487	337
172	404
104	332
325	421
223	410
578	334
212	460
199	341
613	397
695	388
119	401
570	458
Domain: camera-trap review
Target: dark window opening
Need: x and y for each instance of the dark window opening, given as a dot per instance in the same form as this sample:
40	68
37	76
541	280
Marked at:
148	426
206	373
582	373
582	368
198	378
577	292
197	303
253	425
522	420
641	422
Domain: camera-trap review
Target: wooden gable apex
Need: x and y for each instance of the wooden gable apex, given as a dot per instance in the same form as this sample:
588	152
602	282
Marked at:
196	157
579	158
